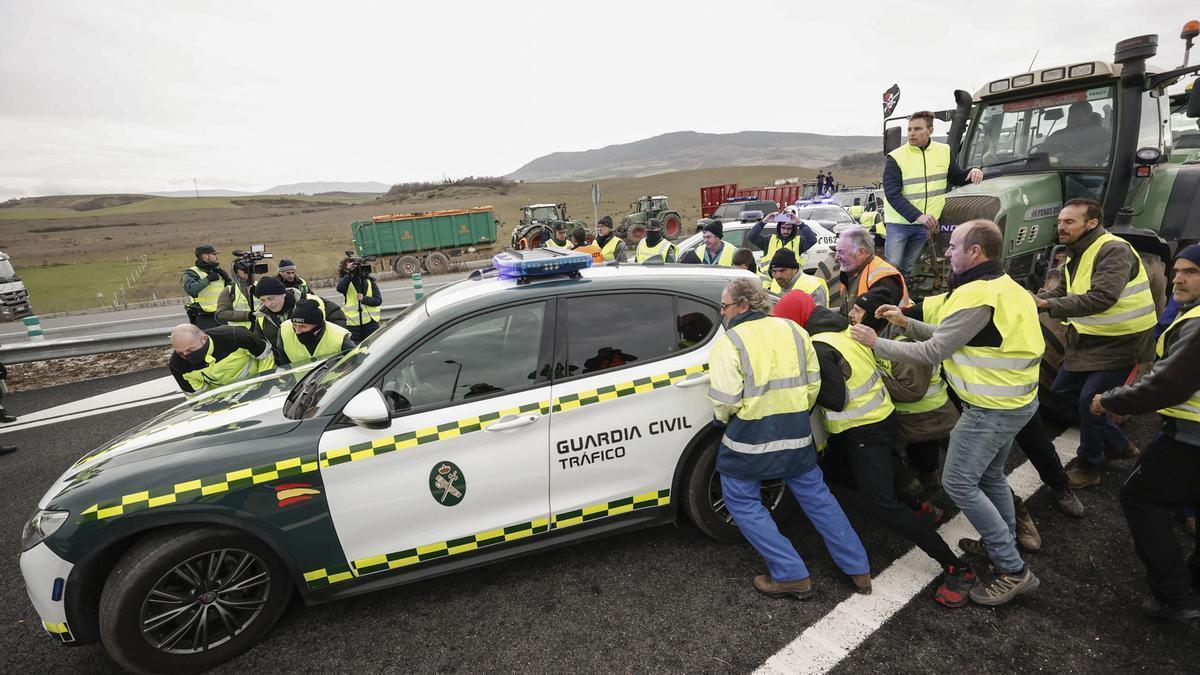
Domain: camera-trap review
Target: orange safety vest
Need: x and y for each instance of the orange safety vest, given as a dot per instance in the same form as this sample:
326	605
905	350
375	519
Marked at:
877	268
594	250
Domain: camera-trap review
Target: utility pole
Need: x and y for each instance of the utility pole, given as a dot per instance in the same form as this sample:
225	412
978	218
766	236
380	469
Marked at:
196	187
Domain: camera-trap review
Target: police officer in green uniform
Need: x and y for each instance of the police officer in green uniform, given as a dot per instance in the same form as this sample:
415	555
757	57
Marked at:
204	282
307	336
209	359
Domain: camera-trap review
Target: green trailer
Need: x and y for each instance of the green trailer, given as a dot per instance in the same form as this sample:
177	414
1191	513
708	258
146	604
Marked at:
427	242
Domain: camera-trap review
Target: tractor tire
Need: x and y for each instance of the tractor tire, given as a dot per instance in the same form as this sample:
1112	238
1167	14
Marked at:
437	263
637	232
406	266
672	226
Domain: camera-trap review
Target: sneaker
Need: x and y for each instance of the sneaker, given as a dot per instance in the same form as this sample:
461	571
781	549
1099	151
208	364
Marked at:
956	585
862	583
974	547
931	513
997	589
1028	537
5	418
800	588
1082	474
1067	502
1179	610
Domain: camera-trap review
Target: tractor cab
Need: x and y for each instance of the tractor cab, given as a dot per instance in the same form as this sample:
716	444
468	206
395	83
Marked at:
542	213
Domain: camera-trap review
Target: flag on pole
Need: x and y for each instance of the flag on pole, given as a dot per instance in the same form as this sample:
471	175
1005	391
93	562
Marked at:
891	98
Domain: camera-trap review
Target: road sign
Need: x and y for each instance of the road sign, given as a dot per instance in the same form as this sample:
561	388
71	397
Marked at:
595	202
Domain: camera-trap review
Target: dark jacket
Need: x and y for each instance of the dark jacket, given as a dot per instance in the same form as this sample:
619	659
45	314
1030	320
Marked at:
1116	265
893	186
225	340
268	328
194	283
226	313
835	370
1170	382
808	238
886	291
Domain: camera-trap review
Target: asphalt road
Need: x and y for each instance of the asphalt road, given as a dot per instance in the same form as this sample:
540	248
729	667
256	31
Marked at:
665	599
101	323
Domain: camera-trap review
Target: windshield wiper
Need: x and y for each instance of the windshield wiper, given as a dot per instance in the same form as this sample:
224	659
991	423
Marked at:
305	387
1006	162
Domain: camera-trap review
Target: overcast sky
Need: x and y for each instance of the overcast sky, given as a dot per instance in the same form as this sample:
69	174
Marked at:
115	96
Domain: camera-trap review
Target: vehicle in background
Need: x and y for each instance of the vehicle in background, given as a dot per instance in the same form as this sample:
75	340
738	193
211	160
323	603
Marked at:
826	212
713	196
817	261
646	207
1185	131
733	210
537	224
427	242
14	297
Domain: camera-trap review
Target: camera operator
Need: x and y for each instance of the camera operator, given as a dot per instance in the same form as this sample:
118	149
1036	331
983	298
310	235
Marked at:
233	307
362	296
204	282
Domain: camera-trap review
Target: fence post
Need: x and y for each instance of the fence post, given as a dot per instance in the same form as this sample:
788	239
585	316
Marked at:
33	327
418	287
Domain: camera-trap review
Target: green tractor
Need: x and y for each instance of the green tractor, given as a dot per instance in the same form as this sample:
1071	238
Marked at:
537	224
633	226
1089	129
1185	131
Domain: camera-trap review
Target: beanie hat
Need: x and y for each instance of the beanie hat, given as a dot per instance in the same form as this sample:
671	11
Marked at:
285	265
605	220
785	258
269	286
308	311
1191	254
795	305
716	228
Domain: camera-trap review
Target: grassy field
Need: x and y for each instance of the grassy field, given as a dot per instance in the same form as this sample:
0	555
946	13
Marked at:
66	258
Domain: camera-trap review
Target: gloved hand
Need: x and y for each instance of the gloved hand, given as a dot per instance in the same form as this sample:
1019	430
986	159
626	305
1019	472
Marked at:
213	276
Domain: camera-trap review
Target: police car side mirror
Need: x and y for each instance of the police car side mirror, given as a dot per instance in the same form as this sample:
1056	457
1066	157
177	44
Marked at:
368	409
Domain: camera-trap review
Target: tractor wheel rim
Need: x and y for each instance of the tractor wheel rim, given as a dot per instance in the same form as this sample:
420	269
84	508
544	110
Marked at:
205	602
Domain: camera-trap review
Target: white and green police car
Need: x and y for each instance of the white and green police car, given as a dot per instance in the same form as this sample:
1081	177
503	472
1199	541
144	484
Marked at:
504	414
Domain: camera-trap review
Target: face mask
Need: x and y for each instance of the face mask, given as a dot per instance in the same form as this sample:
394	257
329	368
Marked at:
311	338
196	358
653	237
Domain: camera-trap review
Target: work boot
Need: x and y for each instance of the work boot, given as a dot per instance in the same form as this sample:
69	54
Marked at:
1028	537
801	589
997	589
862	583
956	585
1130	452
1082	474
5	418
1184	609
1067	502
7	449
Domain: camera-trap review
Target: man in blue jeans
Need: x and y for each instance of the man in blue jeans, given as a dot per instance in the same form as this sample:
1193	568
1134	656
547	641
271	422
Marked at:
915	179
987	338
1105	299
765	380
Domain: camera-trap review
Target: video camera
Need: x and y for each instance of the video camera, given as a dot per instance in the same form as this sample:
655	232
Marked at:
249	260
359	265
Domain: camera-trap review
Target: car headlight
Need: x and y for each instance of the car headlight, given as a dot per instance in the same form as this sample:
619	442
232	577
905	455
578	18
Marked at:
41	524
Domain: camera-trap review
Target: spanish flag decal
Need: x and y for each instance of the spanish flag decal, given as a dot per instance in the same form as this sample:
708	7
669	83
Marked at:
290	493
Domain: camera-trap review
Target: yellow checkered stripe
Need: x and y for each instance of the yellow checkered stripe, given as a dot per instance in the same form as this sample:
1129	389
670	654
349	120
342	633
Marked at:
390	561
612	391
203	487
59	630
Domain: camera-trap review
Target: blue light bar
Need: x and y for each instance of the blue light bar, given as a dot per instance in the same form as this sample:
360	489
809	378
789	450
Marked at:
539	262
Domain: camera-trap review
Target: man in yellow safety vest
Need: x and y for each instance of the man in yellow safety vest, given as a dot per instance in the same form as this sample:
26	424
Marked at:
204	360
1167	477
1105	299
307	336
203	282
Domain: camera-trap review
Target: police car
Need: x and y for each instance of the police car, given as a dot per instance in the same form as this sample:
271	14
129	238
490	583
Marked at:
818	260
518	410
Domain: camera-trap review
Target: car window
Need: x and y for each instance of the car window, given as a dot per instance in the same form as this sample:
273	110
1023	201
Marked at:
619	329
485	354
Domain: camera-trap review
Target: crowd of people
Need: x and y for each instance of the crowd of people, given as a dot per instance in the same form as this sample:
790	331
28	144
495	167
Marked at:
239	327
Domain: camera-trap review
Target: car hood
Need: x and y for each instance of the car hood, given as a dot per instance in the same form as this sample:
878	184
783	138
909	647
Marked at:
206	428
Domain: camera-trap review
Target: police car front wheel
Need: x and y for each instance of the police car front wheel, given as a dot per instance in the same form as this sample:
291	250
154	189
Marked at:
705	502
182	601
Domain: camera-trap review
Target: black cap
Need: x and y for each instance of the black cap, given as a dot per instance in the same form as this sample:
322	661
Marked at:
205	248
717	228
605	220
285	265
308	311
269	286
784	258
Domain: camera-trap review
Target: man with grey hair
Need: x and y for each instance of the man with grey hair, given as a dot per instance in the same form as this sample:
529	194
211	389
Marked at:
765	380
866	281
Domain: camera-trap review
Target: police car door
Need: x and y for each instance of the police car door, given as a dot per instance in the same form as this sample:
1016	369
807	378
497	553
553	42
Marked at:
462	465
629	394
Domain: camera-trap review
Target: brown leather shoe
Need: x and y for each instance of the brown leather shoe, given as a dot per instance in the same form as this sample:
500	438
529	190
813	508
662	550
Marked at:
1028	537
862	583
800	589
1082	474
1131	451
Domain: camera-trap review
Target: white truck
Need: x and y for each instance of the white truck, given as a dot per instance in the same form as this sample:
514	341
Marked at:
14	297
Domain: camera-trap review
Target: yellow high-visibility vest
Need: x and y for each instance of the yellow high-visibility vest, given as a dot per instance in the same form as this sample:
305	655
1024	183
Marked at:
646	252
208	298
297	353
367	314
924	174
1134	310
724	258
237	365
1188	410
773	381
935	396
868	398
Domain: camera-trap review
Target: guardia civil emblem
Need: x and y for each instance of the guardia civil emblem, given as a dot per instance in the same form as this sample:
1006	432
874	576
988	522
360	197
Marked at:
447	483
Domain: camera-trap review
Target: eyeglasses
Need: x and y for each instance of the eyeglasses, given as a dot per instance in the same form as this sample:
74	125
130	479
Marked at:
727	305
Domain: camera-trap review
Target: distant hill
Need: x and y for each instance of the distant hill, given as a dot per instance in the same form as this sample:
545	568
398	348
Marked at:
369	187
687	150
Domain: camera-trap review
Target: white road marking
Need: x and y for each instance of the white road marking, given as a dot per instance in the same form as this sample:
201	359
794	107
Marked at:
160	390
836	635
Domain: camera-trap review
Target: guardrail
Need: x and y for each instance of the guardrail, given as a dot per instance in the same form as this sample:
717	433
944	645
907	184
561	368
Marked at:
45	350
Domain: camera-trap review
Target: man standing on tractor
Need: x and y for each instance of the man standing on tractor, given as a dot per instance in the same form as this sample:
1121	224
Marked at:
715	250
1106	301
654	245
915	179
611	246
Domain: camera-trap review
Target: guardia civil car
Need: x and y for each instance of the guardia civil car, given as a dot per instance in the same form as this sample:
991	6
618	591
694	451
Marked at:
501	415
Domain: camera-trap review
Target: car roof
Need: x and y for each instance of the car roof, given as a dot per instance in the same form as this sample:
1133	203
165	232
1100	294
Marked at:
488	289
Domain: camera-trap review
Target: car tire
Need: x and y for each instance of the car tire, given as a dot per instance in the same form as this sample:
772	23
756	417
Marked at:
703	503
437	263
151	571
406	265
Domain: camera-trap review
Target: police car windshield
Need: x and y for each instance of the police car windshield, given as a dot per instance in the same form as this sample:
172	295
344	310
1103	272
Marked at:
825	213
1065	130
